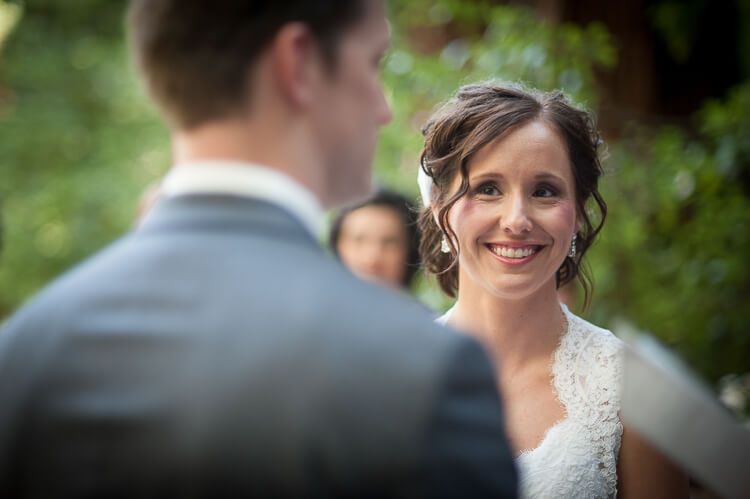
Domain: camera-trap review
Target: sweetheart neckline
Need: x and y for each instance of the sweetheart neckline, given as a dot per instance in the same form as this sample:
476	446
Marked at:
526	452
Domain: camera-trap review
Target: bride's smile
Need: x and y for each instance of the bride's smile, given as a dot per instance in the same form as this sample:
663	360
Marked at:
514	251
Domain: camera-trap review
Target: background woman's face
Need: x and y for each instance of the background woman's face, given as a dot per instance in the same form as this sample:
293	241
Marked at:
515	224
373	244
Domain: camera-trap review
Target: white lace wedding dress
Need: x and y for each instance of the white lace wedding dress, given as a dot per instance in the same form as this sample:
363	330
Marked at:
578	456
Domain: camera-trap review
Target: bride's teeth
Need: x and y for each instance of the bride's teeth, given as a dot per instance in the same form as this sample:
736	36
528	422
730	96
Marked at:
513	253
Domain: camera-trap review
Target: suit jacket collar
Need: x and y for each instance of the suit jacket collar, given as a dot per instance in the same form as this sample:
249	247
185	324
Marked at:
209	212
236	178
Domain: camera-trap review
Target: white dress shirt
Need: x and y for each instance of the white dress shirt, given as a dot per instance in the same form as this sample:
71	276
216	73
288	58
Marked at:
247	180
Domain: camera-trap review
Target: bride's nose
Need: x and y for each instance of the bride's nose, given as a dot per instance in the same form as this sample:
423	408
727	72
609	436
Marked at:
515	218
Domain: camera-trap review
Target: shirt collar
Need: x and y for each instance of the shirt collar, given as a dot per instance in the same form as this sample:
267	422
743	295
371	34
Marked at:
248	180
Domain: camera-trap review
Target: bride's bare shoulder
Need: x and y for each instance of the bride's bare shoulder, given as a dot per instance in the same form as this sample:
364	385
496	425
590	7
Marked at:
643	471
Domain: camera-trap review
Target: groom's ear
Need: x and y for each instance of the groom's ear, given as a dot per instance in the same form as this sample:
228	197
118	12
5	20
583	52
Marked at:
296	63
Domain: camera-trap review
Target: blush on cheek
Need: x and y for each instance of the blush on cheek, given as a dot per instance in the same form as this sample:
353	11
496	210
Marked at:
566	213
466	214
456	212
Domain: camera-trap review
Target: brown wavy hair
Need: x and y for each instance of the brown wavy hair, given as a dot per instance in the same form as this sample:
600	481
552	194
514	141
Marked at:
477	115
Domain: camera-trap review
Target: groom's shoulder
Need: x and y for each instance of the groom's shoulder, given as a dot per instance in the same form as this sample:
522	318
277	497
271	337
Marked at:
343	300
58	297
376	324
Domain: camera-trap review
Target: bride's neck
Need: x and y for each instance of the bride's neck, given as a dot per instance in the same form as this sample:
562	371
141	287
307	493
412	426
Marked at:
517	329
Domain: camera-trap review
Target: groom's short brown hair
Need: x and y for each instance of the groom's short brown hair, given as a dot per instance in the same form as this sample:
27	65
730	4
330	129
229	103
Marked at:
195	55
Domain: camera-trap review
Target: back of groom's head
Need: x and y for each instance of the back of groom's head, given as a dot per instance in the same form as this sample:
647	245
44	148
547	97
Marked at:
195	56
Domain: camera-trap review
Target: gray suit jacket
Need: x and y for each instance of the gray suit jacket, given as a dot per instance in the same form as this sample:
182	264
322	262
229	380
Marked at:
218	351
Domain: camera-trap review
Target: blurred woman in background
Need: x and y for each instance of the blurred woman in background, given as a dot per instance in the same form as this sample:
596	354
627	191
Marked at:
378	239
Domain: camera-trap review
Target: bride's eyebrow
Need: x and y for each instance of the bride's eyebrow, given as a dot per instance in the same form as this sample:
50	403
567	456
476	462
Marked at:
498	177
548	176
481	177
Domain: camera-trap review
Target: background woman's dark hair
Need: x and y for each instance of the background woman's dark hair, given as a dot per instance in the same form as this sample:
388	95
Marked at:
406	212
478	114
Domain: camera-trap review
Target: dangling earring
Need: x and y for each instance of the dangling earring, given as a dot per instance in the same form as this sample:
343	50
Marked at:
572	250
444	246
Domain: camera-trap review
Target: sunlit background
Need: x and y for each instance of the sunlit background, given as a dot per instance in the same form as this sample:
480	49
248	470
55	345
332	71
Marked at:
668	80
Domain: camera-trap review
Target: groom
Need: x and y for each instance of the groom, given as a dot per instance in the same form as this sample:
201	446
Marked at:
216	350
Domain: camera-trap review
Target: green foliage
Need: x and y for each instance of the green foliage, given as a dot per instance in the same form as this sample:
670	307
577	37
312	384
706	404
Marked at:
678	24
78	141
9	15
673	255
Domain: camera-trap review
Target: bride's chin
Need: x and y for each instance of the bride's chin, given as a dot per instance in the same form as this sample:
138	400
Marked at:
517	289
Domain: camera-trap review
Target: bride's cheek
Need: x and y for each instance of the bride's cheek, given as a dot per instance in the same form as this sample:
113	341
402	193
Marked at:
565	214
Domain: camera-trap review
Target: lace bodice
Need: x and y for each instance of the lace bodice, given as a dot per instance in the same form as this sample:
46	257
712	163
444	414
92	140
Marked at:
578	456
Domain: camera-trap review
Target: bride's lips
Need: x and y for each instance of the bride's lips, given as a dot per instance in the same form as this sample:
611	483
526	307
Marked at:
514	253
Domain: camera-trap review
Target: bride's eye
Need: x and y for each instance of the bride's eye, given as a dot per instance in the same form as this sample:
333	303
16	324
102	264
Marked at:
546	191
487	189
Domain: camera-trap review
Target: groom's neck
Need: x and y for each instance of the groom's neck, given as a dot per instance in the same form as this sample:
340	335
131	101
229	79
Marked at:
286	148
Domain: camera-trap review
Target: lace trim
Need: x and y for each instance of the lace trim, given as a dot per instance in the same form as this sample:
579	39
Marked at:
586	372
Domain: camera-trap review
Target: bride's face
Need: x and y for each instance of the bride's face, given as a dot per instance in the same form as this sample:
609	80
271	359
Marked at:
515	224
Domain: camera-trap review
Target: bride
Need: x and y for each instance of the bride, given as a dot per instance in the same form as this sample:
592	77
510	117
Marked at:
510	179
